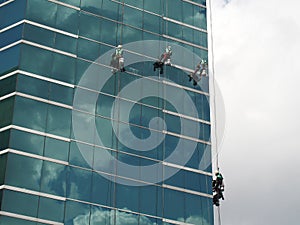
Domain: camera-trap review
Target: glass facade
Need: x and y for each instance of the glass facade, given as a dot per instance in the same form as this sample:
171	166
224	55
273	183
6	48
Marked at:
50	173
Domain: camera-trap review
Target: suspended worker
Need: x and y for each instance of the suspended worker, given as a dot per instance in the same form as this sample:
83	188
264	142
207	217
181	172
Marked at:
165	58
117	60
218	188
202	67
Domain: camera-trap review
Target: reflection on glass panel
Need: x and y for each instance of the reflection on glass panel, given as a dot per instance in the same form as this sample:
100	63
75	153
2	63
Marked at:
152	23
104	105
81	154
8	85
88	49
173	123
111	10
23	172
102	216
6	116
56	149
174	30
58	121
174	9
125	218
193	209
72	2
155	8
170	145
79	184
130	34
4	220
61	94
127	197
9	59
81	67
33	86
36	60
42	12
105	132
27	142
53	179
8	18
133	16
151	200
39	35
93	6
177	179
50	209
109	32
16	202
76	213
102	190
67	19
89	26
171	210
135	3
4	139
65	43
104	160
62	72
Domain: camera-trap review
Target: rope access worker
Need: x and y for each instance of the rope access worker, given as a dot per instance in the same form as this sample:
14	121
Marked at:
117	60
218	188
165	58
202	67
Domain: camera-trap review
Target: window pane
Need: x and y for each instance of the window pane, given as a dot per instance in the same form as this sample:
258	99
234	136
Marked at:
76	213
39	35
102	190
67	19
133	16
4	139
171	210
102	216
50	209
8	85
3	159
6	115
23	172
89	26
56	149
33	86
59	69
81	154
58	121
53	179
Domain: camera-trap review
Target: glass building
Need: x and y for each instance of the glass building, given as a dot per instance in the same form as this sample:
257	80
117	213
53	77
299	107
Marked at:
54	56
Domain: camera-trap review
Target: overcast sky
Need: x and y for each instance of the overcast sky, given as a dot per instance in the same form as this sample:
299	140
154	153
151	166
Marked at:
257	48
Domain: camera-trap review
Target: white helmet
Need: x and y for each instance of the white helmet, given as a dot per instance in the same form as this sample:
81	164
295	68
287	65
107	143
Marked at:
119	46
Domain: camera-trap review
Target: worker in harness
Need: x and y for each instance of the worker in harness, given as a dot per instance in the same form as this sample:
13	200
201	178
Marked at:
218	188
165	58
117	60
202	68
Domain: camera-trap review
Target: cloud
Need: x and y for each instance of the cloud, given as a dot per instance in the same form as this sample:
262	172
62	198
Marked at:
256	55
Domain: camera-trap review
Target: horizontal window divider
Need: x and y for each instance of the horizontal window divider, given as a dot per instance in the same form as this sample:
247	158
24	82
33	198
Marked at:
6	2
186	137
11	26
36	193
195	3
176	222
7	96
18	152
186	168
184	42
3	152
11	45
184	24
186	117
186	191
184	87
49	48
34	132
43	100
65	4
4	76
29	218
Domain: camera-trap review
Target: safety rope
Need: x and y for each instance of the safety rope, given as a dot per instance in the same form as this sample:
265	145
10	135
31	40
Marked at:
214	98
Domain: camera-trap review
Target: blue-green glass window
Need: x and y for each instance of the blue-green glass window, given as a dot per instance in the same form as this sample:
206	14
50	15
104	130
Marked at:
174	9
56	149
50	209
6	114
23	172
173	29
3	159
81	67
109	32
133	16
93	6
36	60
16	202
134	112
173	123
79	184
193	209
27	142
152	23
170	144
81	154
89	26
62	72
8	18
43	12
72	2
67	19
111	10
205	156
126	218
202	2
151	200
38	35
101	215
138	4
65	43
8	85
58	121
33	86
4	139
104	160
177	179
88	49
10	36
155	8
105	132
9	59
127	197
104	105
102	190
131	34
4	220
76	213
60	93
171	210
